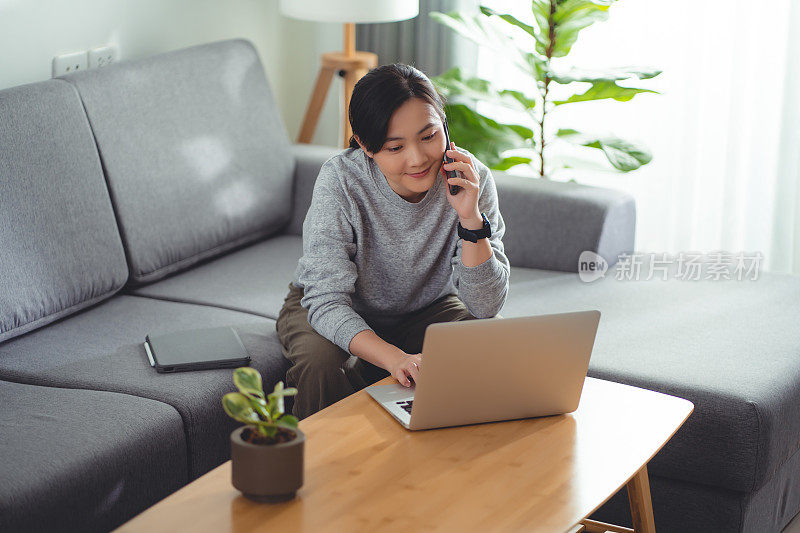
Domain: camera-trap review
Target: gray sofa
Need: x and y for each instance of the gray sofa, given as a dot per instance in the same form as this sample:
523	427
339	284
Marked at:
161	194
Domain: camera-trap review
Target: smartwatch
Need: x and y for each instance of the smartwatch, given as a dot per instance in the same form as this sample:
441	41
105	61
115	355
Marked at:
475	235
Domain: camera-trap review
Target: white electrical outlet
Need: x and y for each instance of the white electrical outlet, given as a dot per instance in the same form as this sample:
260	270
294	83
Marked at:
69	63
103	56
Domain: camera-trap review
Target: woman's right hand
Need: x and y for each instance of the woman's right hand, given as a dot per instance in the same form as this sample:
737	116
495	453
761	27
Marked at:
406	367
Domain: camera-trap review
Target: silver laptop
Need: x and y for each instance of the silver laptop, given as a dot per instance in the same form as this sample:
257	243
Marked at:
495	369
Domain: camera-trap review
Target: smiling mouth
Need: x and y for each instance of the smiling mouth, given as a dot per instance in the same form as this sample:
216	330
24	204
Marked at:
423	173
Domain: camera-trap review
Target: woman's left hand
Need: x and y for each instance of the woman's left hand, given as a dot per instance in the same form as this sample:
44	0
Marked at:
466	201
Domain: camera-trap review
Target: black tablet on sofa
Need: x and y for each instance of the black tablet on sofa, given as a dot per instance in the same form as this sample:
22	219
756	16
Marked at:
199	349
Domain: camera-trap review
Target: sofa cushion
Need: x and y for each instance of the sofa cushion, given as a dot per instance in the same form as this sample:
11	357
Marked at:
195	152
254	280
60	247
730	347
101	349
549	223
79	460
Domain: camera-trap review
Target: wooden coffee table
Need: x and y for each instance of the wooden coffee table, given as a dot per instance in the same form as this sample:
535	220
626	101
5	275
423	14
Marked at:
364	472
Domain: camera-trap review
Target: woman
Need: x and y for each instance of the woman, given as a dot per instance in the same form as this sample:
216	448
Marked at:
382	258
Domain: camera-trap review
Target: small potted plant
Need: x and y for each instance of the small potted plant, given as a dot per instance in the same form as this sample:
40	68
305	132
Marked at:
267	453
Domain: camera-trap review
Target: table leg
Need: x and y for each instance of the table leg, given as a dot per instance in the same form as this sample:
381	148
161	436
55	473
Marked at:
641	503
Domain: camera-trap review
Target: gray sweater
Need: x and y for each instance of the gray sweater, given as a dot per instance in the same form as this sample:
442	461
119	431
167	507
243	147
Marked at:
370	256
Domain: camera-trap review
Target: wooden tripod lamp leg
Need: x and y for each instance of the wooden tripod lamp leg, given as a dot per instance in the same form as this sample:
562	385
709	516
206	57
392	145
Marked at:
350	79
311	117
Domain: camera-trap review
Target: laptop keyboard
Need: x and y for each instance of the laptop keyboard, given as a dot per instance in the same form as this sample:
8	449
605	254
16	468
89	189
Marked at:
406	405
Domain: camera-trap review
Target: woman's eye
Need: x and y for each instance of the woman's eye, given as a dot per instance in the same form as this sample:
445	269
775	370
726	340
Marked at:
394	148
429	137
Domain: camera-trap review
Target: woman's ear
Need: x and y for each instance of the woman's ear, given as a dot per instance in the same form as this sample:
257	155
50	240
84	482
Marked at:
369	154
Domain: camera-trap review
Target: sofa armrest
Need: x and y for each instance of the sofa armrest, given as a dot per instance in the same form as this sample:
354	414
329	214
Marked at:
549	224
309	158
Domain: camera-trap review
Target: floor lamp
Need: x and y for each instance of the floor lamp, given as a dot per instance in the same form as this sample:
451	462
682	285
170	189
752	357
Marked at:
350	64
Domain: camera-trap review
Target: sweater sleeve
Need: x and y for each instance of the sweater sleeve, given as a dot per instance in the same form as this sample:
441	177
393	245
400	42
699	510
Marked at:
483	288
326	270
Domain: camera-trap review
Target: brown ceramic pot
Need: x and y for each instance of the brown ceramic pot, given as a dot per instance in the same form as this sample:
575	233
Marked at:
267	472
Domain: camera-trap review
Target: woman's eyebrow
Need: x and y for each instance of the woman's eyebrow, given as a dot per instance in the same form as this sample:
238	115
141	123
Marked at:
428	125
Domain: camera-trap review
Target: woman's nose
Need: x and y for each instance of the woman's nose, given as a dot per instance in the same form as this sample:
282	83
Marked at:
416	156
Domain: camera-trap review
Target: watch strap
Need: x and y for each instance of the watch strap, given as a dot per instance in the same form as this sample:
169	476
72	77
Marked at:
475	235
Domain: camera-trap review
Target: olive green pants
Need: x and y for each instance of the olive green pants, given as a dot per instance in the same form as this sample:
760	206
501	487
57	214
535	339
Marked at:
324	373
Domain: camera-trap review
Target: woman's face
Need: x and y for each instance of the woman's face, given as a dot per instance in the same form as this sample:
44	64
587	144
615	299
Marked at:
412	154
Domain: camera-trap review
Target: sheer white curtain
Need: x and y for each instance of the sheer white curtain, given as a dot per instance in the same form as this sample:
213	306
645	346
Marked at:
725	132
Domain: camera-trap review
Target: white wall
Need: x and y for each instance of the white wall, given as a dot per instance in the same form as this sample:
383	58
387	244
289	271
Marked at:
32	32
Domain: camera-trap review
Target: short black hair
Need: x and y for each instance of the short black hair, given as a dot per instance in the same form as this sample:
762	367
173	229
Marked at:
377	96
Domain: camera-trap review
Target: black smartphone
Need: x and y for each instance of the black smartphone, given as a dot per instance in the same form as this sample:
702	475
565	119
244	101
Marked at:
454	189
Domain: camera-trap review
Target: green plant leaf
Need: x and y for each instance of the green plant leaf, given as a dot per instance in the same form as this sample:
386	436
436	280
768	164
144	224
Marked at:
452	85
526	102
601	90
269	430
539	32
571	16
609	74
276	400
476	28
262	407
238	407
527	28
482	30
541	13
512	161
248	381
623	155
276	397
289	421
484	137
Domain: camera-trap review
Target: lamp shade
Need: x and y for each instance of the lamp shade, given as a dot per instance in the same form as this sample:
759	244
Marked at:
364	11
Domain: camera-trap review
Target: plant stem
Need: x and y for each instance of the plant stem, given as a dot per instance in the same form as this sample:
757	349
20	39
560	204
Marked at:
551	35
541	127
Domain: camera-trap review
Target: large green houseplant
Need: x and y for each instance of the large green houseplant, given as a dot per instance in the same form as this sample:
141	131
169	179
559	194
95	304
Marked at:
266	453
554	30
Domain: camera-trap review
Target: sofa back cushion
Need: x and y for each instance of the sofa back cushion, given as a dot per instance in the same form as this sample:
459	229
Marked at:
195	153
60	247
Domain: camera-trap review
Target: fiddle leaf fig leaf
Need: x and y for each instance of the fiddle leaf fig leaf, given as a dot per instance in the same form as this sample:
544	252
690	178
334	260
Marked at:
527	28
541	13
476	28
598	75
601	90
238	407
539	32
571	16
512	161
452	85
623	155
567	132
248	381
484	137
482	30
526	102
